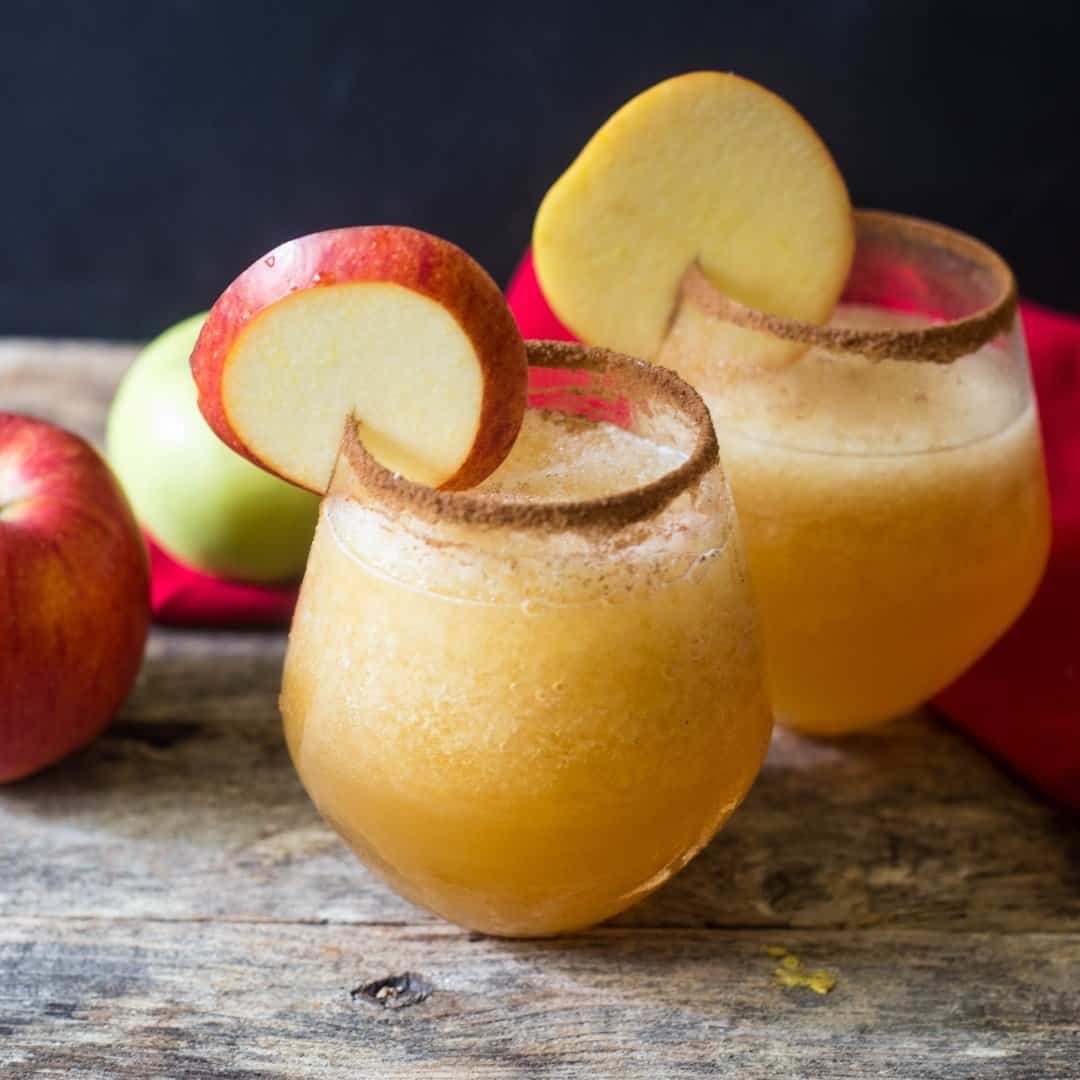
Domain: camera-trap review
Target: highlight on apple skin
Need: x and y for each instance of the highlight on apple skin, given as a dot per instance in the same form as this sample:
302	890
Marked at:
74	595
399	328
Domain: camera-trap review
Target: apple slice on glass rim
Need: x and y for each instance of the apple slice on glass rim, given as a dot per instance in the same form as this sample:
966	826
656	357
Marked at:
706	170
395	327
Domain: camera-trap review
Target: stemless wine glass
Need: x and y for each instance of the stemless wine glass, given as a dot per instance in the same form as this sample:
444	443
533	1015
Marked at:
528	705
887	470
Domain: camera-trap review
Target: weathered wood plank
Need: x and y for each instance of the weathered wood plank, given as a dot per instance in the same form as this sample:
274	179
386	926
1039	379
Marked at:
134	999
67	382
189	807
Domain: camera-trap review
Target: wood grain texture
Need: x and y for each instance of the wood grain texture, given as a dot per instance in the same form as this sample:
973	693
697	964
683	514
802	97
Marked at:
171	905
66	382
135	999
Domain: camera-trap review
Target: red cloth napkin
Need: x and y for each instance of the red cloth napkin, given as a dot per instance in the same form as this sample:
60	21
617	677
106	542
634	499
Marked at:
1021	701
181	596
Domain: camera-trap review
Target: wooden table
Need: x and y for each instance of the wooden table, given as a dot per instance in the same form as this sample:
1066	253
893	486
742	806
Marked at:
171	905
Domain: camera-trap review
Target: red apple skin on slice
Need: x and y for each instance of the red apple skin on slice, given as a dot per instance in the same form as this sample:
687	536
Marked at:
425	265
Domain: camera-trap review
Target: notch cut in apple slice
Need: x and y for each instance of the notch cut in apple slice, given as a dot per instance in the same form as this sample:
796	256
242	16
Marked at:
706	167
398	328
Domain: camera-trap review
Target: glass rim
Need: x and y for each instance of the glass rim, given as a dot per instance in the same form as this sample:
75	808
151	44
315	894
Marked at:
607	512
940	343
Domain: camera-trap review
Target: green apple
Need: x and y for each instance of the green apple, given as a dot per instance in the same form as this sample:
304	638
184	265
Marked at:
202	502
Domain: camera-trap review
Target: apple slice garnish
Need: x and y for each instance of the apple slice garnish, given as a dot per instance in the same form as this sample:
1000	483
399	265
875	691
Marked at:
708	168
395	327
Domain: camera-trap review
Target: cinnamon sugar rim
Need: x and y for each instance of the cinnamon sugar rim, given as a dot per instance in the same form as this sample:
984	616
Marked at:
941	343
638	379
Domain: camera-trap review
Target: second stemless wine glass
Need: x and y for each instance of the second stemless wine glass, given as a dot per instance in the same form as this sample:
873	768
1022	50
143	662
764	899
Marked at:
528	705
887	470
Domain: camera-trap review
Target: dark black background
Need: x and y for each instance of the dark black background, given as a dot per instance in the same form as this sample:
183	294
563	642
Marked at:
150	151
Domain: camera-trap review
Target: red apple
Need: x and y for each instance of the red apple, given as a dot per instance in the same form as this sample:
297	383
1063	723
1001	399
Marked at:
74	595
398	328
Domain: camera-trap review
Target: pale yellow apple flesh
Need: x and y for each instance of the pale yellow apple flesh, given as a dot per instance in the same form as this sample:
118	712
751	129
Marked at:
708	167
396	359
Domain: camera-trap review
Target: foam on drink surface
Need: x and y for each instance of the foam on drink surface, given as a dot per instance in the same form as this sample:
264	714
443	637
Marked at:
835	403
562	457
557	457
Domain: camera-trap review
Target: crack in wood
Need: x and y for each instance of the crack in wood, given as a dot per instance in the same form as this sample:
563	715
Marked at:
395	991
